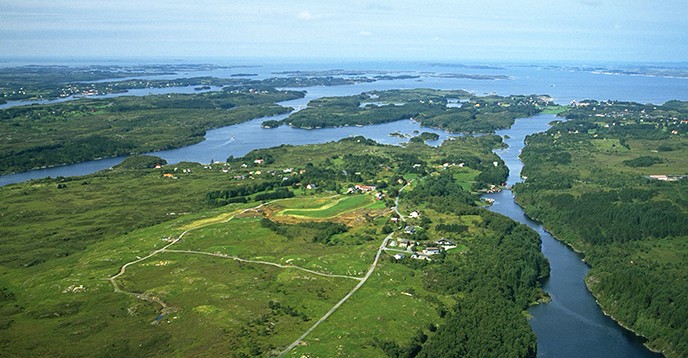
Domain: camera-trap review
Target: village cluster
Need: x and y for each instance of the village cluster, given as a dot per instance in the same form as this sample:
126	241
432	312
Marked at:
409	245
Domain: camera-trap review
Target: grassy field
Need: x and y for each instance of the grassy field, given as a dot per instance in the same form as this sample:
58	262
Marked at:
393	306
674	162
466	177
335	207
231	284
246	238
201	293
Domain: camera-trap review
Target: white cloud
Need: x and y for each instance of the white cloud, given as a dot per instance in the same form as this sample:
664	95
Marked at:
365	33
305	15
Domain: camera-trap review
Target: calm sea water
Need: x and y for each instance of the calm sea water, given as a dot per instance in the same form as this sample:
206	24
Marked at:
563	85
572	325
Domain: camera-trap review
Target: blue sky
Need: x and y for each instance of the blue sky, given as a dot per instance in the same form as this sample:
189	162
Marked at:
574	30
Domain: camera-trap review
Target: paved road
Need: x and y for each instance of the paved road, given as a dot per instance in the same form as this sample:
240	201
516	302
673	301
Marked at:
341	302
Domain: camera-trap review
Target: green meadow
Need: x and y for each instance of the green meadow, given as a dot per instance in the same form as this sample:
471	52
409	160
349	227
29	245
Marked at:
336	207
128	262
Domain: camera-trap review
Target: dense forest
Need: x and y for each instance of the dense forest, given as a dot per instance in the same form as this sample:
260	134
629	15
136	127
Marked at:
610	181
499	277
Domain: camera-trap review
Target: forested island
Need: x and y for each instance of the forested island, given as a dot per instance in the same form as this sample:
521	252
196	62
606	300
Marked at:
612	182
53	81
142	252
31	83
477	114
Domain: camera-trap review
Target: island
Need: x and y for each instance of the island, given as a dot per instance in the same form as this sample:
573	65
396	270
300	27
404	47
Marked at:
480	114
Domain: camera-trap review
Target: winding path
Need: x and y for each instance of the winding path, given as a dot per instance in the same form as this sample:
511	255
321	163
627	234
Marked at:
146	297
123	269
362	280
264	263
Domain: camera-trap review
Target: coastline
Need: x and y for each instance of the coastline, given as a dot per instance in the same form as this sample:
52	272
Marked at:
595	294
619	322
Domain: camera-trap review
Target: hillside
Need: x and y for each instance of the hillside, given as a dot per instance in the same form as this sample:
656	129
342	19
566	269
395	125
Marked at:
244	257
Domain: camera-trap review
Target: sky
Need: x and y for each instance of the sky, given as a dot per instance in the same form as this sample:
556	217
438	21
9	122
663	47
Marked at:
400	30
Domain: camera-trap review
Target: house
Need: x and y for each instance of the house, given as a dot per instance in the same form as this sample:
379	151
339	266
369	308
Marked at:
365	188
399	256
158	166
417	256
414	214
259	161
445	244
378	196
395	219
410	230
168	175
431	250
311	187
404	243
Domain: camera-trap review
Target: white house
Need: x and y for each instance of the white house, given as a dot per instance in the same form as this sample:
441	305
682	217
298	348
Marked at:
431	250
445	244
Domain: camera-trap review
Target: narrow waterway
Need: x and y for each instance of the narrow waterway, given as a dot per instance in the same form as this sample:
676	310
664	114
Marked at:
239	139
572	324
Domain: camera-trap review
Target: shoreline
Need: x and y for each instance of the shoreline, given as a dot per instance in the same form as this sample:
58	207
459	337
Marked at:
581	254
619	322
